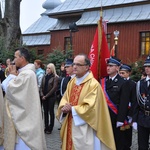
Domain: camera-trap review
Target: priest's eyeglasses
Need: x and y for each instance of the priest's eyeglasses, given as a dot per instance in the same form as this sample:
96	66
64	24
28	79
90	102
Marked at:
78	64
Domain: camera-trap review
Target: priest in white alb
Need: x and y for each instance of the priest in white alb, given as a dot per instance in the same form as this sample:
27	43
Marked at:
23	125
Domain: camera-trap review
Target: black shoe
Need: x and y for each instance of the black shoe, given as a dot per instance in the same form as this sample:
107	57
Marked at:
46	129
59	128
48	132
50	128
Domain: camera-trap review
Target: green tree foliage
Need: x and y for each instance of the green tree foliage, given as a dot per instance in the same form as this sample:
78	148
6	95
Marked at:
34	56
5	54
58	56
137	69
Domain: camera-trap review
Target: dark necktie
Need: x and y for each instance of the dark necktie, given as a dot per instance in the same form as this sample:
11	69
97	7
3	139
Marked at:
109	81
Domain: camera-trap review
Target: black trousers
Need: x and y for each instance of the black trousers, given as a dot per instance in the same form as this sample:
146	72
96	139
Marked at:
128	138
48	106
41	101
143	137
120	138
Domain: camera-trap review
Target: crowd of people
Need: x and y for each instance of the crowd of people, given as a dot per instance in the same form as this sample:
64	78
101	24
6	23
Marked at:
94	115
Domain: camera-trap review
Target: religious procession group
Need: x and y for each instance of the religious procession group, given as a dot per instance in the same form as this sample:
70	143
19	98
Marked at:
93	115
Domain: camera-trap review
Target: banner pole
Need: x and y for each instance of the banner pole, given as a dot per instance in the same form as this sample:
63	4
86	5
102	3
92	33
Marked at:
99	41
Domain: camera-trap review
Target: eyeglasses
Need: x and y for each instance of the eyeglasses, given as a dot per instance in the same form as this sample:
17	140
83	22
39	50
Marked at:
78	64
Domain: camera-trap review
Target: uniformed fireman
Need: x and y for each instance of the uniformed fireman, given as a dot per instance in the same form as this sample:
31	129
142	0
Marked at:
125	72
117	96
142	109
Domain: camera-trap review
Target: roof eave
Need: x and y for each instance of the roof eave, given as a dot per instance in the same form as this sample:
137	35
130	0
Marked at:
66	14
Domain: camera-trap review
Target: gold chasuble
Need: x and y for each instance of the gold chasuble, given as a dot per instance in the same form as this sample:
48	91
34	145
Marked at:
89	102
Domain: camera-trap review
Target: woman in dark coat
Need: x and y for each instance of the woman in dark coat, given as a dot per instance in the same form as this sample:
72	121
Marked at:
48	94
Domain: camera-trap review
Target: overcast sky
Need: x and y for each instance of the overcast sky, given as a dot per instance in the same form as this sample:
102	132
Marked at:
30	11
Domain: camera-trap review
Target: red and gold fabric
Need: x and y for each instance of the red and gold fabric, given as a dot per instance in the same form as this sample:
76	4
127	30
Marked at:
91	107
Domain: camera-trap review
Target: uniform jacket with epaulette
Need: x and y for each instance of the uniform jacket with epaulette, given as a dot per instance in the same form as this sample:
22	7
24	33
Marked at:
118	92
143	104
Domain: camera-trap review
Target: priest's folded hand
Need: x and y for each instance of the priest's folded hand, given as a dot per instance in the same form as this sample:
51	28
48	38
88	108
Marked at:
66	108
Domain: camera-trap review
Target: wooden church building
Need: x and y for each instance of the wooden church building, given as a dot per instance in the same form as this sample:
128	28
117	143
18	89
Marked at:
72	25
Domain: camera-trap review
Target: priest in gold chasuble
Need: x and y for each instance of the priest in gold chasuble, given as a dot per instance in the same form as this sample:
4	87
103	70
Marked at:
84	113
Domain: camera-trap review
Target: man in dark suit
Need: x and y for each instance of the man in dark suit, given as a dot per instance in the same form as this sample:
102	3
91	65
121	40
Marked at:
65	80
125	71
70	74
117	95
142	109
2	74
